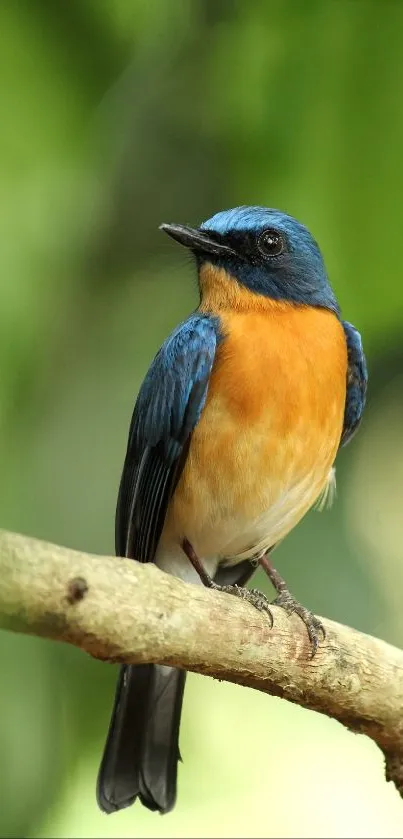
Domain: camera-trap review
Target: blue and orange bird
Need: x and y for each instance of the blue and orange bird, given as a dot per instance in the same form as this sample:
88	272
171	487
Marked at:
233	438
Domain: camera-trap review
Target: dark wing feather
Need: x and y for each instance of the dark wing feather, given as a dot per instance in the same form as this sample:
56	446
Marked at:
168	407
357	378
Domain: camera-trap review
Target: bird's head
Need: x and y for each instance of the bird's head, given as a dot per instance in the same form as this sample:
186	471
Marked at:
264	251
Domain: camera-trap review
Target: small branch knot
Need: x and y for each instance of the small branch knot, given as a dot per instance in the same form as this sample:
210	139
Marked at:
394	769
77	588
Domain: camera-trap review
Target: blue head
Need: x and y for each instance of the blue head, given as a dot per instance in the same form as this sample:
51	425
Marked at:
267	251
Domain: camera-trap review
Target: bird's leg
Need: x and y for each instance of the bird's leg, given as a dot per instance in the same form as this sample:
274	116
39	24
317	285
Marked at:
197	564
287	602
253	596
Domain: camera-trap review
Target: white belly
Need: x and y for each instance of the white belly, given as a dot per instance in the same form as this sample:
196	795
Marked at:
232	540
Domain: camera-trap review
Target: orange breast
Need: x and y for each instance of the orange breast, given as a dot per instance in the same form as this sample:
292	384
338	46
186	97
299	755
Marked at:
269	432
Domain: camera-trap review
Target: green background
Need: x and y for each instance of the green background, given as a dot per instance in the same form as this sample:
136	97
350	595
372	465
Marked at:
118	115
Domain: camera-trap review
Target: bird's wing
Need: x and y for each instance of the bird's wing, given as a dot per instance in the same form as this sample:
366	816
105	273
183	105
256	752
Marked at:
357	378
168	407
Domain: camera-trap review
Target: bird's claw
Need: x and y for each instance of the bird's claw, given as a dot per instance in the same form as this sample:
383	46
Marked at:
313	625
252	595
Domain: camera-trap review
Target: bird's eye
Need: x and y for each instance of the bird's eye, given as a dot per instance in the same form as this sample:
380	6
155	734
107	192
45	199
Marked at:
271	243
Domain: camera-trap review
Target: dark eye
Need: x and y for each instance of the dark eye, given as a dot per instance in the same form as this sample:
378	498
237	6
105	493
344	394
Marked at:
271	242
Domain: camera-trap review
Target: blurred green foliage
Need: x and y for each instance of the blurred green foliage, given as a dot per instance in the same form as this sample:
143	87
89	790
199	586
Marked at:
117	116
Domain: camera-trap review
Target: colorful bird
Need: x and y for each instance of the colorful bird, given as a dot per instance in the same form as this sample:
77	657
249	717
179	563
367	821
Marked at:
233	438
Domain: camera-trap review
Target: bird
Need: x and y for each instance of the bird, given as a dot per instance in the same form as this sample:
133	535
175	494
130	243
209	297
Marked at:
233	438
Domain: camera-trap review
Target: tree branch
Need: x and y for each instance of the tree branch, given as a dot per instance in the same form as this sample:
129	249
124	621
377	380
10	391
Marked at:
121	610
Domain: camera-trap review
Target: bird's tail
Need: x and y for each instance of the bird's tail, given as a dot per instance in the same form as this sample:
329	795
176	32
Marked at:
141	752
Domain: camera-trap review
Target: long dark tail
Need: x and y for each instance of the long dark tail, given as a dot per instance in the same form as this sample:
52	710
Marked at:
141	752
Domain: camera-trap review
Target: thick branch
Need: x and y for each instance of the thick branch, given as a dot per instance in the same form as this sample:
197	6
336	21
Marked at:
120	610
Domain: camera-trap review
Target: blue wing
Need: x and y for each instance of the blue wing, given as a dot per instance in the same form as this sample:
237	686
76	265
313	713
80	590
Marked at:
168	407
357	378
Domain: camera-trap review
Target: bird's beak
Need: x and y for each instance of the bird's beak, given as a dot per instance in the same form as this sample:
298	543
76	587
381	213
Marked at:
196	240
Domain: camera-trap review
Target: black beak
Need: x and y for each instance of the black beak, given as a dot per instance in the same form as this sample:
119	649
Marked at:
196	240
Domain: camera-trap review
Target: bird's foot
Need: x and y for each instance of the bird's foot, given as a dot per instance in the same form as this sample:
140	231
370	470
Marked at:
290	605
252	595
316	630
